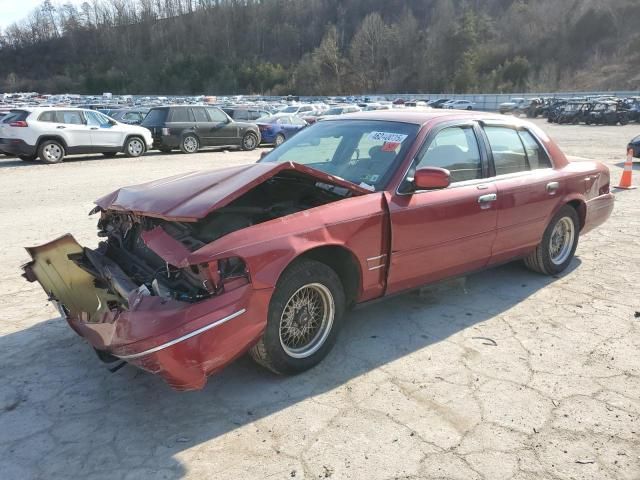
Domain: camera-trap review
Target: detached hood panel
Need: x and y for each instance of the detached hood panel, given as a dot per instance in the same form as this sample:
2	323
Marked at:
192	196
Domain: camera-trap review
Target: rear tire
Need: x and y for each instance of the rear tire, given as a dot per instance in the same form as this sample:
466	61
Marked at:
134	147
304	318
558	245
28	158
51	151
189	144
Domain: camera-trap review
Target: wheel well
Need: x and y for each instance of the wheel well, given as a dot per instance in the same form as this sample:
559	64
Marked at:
44	138
135	135
344	263
581	209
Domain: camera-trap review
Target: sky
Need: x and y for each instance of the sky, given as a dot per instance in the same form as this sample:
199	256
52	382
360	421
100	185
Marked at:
14	10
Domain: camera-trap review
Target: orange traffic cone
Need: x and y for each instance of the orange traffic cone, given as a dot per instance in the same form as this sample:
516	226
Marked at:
625	181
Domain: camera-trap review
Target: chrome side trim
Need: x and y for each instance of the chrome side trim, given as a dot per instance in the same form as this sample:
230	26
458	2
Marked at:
378	257
184	337
377	267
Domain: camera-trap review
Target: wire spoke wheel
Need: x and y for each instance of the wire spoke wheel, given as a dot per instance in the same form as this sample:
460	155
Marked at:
561	241
306	320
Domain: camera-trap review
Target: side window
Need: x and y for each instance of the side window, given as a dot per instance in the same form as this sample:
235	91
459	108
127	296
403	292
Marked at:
216	115
536	155
47	117
71	118
200	114
456	149
93	119
242	115
181	115
508	153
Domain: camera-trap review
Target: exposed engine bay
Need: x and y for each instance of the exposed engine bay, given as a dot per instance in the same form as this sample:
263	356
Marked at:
124	247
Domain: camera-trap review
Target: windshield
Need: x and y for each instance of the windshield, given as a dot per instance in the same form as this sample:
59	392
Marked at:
364	152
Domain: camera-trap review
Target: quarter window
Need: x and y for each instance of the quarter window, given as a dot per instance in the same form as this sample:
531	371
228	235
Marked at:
456	149
508	152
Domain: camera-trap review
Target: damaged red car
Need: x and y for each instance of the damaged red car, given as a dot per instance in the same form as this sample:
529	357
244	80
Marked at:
200	268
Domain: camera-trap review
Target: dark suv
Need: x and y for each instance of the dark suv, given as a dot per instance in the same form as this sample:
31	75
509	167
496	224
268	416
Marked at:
191	127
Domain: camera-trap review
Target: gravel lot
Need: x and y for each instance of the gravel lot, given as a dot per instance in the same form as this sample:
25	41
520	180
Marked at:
412	390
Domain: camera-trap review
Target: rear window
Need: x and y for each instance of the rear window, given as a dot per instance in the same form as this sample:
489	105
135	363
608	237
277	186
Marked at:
156	116
15	116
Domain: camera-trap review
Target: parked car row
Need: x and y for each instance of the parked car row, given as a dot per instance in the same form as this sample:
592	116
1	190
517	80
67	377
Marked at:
590	111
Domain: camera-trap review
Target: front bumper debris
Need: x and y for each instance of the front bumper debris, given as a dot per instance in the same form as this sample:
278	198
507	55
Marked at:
182	342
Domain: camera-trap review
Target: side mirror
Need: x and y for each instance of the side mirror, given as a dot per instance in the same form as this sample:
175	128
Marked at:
431	178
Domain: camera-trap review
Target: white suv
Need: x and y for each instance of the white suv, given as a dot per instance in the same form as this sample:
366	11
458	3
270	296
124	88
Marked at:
52	133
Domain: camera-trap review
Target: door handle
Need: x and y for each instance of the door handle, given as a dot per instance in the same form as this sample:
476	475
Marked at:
552	187
488	198
60	127
94	128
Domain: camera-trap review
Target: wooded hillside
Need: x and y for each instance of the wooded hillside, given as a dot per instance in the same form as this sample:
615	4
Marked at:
323	47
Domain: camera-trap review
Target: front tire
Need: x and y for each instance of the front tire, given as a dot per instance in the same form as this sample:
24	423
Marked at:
249	141
558	245
134	147
304	318
51	151
189	144
279	140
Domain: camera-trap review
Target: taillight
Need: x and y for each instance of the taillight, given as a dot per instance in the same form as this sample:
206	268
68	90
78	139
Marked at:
19	123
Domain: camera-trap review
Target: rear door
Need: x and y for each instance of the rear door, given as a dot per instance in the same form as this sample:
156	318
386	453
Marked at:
204	126
72	126
441	233
528	189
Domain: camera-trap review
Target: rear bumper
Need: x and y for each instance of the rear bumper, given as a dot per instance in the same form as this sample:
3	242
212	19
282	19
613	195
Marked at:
14	146
598	211
180	341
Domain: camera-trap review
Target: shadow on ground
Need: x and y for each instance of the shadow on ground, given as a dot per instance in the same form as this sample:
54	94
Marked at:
59	399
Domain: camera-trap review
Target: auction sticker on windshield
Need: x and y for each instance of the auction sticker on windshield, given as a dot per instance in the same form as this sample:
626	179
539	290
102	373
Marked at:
387	137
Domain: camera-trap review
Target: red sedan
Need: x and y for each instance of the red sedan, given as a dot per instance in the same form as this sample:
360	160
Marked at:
197	269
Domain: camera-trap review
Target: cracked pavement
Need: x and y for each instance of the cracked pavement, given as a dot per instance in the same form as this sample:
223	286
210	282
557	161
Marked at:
505	374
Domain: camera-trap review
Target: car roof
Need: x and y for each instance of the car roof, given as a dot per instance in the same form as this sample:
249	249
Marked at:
420	117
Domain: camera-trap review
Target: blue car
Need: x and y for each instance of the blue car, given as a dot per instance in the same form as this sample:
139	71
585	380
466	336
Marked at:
278	128
634	144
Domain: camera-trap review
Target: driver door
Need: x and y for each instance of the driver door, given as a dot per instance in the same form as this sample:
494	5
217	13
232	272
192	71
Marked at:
103	132
442	233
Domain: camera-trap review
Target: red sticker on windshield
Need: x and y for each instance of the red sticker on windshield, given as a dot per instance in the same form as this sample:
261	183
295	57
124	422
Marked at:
390	146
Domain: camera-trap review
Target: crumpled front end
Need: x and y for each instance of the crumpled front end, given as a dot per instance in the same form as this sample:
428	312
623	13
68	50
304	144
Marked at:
182	339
